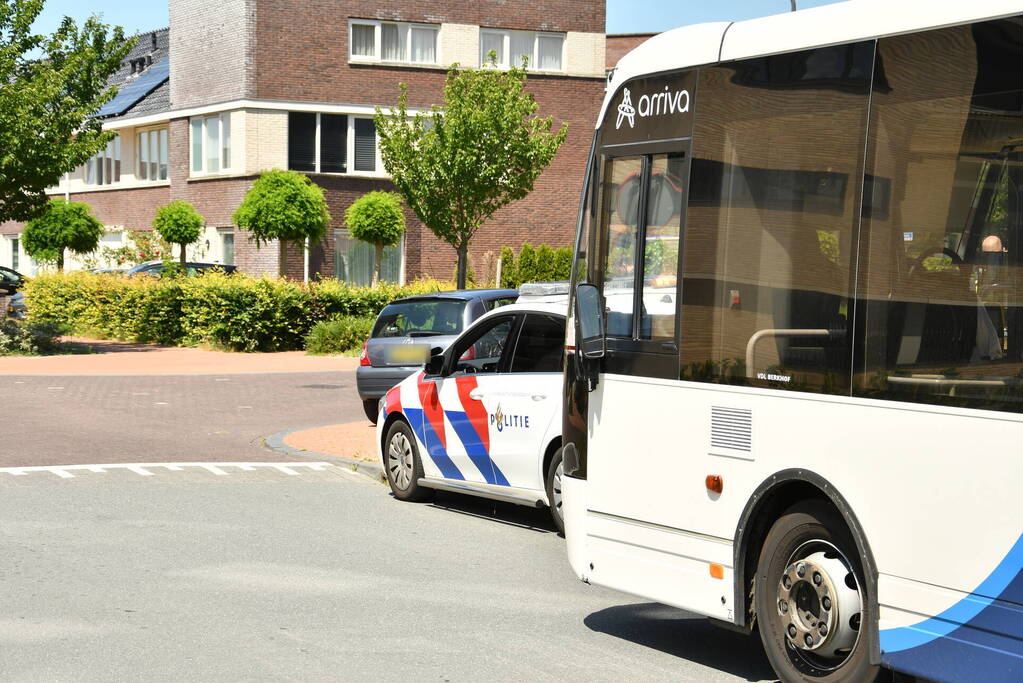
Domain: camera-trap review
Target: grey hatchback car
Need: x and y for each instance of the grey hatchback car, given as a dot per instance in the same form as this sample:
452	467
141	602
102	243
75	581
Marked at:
407	329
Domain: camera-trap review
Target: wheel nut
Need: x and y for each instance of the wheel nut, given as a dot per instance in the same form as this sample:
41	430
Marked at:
808	640
816	579
792	631
826	603
801	570
787	582
824	629
783	606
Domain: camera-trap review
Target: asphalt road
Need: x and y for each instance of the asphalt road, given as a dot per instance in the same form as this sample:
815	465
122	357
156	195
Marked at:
277	574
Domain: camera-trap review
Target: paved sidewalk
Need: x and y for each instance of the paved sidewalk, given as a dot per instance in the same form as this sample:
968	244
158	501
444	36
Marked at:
353	441
121	358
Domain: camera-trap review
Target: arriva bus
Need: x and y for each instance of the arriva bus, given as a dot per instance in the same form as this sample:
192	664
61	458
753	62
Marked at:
794	388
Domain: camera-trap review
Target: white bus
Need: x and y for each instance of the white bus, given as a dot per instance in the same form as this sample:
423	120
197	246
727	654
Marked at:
794	386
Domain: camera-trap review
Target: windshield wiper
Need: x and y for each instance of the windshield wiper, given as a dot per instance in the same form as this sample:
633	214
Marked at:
424	333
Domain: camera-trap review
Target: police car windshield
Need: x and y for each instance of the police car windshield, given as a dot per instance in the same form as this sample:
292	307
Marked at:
421	318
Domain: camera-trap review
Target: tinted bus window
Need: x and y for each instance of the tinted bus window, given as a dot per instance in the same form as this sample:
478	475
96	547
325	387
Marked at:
773	213
943	241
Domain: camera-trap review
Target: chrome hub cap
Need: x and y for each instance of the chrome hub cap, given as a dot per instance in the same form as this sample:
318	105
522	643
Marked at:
819	603
399	461
559	471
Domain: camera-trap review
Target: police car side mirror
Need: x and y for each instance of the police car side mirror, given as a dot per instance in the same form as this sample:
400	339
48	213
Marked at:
435	365
589	316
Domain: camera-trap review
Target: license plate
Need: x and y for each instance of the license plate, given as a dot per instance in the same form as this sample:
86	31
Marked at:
412	354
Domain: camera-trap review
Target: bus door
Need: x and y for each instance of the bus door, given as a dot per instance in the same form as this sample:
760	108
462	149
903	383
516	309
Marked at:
642	212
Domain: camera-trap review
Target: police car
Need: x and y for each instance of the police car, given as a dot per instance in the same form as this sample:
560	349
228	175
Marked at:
484	416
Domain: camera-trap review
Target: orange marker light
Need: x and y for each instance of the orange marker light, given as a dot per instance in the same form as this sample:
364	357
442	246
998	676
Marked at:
717	571
715	483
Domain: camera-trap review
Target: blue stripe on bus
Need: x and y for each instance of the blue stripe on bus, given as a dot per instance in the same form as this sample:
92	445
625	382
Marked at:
435	449
475	449
980	638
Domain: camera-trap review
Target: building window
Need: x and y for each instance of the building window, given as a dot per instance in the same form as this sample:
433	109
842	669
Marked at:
151	151
211	144
15	248
105	167
323	143
544	51
354	260
227	248
381	41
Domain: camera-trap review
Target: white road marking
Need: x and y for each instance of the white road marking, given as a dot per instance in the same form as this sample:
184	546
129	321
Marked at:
55	388
143	469
160	403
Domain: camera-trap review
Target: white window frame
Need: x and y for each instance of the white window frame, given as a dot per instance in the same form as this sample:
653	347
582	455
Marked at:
223	118
403	26
114	146
138	154
505	34
344	233
350	149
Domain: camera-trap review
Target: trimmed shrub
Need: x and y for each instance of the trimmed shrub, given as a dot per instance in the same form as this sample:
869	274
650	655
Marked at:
231	312
339	335
542	264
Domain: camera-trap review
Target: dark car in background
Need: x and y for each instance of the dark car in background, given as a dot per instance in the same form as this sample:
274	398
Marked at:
10	281
192	268
407	329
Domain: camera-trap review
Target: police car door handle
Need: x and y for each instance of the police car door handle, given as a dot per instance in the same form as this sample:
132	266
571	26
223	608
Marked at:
476	395
539	397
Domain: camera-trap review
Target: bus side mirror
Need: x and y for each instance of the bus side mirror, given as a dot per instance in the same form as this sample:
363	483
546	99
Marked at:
589	315
435	365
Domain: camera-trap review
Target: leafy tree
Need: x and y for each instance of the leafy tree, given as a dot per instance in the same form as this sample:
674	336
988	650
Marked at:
457	164
49	87
377	218
62	225
285	206
179	223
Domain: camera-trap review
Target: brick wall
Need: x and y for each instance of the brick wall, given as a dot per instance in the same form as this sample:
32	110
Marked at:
209	44
295	63
619	45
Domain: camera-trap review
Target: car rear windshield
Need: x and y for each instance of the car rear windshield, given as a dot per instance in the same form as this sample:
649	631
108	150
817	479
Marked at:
421	318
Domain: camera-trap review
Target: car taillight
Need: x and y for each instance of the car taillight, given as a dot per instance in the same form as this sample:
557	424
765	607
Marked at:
364	356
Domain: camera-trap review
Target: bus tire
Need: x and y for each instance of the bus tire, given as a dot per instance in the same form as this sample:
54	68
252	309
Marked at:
555	471
810	597
402	464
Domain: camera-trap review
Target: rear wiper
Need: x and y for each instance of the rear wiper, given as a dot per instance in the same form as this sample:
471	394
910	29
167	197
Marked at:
422	333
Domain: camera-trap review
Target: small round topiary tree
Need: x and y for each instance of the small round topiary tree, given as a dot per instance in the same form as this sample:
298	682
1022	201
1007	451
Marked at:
377	218
179	223
62	226
285	206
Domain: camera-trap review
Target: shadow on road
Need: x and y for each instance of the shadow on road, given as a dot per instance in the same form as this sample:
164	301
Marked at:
683	635
534	519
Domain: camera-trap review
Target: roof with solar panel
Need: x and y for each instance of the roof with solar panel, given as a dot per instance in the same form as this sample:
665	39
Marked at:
143	79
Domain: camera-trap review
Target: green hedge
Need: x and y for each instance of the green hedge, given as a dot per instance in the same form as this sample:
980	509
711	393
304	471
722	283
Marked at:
232	312
539	264
339	335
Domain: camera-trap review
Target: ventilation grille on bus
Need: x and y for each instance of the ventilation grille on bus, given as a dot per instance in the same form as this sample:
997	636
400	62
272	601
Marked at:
731	428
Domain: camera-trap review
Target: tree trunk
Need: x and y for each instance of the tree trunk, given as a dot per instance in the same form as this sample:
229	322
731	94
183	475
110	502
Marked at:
379	262
184	260
60	261
463	265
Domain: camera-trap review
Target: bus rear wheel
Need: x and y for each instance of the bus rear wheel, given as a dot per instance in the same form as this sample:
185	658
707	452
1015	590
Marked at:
810	598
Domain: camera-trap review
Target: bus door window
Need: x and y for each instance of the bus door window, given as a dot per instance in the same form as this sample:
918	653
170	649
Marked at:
661	246
623	188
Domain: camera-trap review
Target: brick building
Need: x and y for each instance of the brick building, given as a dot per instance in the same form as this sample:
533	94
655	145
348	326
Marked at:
237	87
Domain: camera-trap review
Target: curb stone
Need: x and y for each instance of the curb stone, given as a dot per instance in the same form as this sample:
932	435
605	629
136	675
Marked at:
275	442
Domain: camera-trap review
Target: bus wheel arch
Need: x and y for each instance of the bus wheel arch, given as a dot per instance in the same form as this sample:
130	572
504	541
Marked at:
771	500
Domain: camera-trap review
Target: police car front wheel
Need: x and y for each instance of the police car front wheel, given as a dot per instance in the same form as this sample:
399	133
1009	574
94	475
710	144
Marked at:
403	465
